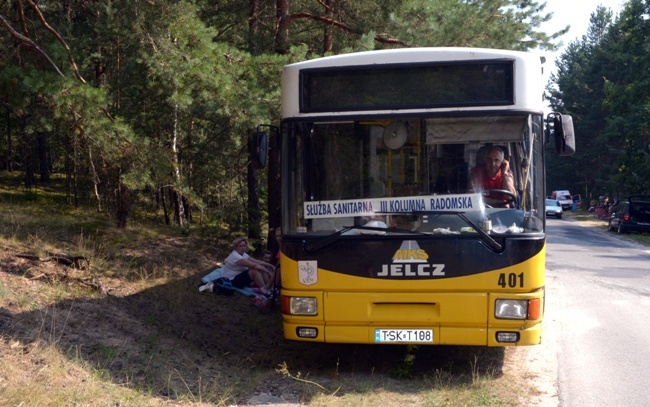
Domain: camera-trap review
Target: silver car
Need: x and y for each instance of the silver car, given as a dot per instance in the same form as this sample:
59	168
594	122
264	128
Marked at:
553	208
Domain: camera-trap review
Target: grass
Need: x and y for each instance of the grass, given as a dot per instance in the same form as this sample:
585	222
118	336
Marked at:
133	330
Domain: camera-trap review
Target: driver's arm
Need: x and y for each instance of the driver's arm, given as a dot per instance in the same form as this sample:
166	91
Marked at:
508	183
507	180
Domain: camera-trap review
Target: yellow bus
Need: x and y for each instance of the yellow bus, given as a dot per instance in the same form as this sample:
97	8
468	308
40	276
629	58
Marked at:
385	238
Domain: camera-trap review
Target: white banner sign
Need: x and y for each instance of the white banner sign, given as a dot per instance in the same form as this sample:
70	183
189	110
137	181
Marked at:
368	207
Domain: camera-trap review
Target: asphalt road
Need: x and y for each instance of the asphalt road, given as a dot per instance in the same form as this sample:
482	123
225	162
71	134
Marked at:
596	345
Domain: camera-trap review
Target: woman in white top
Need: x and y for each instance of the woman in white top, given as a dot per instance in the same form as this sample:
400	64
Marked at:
242	270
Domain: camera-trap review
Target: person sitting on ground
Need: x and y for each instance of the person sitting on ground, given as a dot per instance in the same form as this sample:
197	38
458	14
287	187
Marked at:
243	270
267	256
495	175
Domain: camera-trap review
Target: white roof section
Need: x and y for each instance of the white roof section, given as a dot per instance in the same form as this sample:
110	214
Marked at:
527	76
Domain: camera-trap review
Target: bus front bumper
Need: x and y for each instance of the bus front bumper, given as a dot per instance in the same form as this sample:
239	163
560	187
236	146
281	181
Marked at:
412	318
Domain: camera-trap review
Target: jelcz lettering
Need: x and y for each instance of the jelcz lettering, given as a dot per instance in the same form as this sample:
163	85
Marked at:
412	270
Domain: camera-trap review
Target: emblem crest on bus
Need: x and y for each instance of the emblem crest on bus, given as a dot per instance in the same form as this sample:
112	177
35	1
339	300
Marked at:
308	272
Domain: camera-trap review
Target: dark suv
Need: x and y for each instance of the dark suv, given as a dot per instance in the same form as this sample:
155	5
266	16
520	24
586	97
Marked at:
633	214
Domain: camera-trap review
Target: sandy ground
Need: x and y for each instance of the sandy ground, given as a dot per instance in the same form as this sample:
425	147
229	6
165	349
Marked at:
539	364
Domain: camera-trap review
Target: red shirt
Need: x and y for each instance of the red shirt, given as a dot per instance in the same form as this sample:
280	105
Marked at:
489	183
485	182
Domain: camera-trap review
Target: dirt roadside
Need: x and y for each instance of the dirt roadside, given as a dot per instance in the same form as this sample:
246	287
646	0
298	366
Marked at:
538	364
168	326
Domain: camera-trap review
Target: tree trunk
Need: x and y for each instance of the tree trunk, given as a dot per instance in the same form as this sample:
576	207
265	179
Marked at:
123	205
274	185
254	217
178	197
188	210
282	38
95	180
253	25
9	162
329	29
41	149
163	201
254	212
188	173
27	164
75	167
67	167
172	202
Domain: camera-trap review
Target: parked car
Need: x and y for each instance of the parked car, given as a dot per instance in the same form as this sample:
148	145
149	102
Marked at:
553	208
564	196
631	215
565	200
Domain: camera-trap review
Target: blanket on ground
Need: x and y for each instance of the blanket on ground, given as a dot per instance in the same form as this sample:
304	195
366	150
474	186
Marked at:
217	273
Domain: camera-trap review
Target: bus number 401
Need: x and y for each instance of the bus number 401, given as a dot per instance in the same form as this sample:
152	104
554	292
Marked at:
513	280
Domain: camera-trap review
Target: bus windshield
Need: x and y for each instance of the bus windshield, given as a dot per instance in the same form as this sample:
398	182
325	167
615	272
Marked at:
391	175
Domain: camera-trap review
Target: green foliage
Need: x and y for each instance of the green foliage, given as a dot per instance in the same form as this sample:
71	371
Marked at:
502	24
603	82
152	103
405	368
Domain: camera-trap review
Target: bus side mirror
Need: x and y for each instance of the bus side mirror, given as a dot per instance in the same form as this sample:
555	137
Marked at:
261	148
560	127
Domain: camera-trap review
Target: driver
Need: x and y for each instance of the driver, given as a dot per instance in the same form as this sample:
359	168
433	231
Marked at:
495	175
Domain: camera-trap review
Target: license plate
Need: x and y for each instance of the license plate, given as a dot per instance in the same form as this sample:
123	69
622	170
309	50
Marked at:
404	335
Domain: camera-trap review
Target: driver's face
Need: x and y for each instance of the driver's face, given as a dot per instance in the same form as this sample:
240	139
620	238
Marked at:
493	161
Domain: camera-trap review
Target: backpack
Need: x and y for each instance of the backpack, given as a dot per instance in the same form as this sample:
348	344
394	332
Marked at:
223	286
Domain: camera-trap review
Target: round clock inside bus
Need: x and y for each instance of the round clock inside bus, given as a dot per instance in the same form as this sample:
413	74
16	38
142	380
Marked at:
395	135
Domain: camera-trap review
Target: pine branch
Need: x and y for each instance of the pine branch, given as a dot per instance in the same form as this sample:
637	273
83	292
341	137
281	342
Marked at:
58	37
322	20
329	21
27	41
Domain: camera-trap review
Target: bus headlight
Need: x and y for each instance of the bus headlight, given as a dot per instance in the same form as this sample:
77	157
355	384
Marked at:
303	306
511	309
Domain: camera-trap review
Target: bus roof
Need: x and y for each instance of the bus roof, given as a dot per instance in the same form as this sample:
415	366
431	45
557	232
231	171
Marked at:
408	55
528	86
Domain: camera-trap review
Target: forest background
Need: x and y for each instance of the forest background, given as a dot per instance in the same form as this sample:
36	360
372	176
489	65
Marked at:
146	107
603	81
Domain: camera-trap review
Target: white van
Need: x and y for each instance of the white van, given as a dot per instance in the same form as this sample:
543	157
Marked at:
563	196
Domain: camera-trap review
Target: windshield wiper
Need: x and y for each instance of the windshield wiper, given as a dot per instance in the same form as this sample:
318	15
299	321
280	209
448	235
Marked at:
321	244
330	239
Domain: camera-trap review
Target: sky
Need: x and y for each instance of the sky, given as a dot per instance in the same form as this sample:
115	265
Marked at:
575	13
